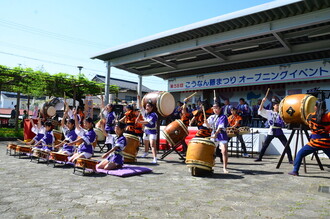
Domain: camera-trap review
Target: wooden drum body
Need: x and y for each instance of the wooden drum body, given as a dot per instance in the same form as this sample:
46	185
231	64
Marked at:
11	147
175	132
200	154
231	132
243	130
131	149
59	156
58	136
163	102
84	163
295	108
23	149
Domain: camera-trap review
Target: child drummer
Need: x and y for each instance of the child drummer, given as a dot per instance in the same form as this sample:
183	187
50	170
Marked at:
70	136
46	143
114	158
218	123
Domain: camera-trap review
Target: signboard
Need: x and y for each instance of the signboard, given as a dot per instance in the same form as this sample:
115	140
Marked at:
88	112
303	71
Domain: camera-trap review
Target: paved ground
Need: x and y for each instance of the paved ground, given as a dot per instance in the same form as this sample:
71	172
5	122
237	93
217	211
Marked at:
250	190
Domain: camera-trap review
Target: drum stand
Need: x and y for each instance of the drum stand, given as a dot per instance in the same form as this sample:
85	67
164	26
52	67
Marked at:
171	150
300	130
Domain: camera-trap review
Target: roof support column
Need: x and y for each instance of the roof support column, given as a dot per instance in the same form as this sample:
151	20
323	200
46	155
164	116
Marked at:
107	83
139	89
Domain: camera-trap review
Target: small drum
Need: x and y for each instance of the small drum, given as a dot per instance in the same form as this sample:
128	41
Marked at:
23	149
295	108
163	102
11	147
243	130
84	163
200	154
58	136
99	134
36	152
58	156
131	149
175	132
231	132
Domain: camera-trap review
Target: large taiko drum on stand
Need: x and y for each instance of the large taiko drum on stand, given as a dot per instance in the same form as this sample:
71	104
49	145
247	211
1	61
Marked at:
175	132
99	134
131	149
163	102
50	107
295	108
200	155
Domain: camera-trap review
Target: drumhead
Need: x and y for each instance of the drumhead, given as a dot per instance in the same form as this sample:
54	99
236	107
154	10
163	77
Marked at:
99	134
307	107
131	137
51	111
202	140
166	104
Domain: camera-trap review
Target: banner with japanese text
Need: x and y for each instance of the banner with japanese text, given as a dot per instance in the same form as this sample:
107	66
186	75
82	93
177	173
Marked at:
293	72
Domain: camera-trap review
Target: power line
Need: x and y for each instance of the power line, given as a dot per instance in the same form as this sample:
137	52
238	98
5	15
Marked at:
74	66
37	31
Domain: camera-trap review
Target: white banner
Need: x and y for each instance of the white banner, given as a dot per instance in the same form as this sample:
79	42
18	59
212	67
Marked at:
303	71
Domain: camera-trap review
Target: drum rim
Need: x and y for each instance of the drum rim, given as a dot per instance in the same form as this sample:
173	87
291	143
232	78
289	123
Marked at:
199	162
131	136
304	113
198	140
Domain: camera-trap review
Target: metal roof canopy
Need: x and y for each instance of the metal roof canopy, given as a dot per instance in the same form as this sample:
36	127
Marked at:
272	33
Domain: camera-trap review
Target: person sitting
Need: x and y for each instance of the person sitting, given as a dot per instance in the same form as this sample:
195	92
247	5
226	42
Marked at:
46	143
319	123
69	134
37	129
87	137
235	121
275	131
114	158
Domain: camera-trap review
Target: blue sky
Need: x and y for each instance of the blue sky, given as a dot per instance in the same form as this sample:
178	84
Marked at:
57	36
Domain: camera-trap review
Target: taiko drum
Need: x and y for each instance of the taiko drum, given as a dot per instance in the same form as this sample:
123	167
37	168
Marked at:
295	108
163	102
131	149
175	132
200	154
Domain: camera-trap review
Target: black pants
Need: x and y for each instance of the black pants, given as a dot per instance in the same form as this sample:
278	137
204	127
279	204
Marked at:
269	138
240	138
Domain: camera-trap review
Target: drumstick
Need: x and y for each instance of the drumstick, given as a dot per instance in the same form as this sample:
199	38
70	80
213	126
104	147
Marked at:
21	141
267	92
204	112
214	96
187	98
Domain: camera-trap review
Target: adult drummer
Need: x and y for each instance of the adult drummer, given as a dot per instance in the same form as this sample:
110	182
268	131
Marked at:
319	123
235	121
218	123
275	130
198	116
150	131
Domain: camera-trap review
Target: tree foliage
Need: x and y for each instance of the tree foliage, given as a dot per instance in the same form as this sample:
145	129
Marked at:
38	83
